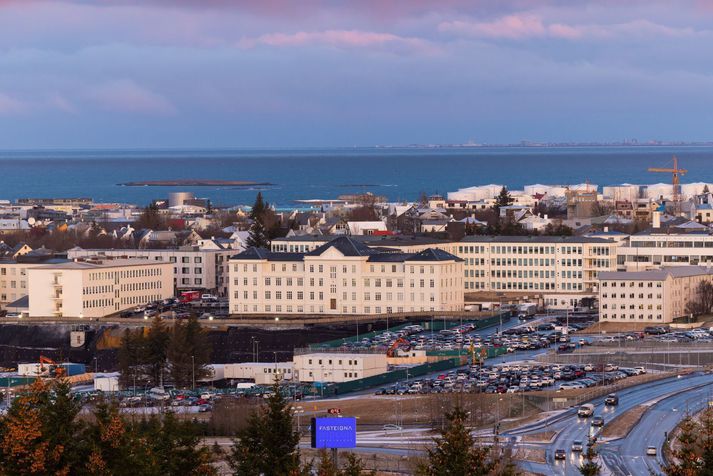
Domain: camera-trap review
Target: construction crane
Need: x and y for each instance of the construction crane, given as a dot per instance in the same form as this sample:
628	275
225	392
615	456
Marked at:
676	181
400	342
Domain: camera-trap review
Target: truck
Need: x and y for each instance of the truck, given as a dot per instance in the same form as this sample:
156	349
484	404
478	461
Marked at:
526	311
189	296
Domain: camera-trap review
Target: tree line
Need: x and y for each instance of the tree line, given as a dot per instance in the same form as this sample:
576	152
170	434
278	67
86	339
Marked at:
151	355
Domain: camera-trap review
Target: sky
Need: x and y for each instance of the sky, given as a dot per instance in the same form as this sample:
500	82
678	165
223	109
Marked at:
312	73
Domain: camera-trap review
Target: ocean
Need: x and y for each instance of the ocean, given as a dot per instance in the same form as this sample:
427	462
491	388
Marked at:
295	174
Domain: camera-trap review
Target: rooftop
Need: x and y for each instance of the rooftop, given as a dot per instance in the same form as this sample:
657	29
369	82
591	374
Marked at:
656	274
101	263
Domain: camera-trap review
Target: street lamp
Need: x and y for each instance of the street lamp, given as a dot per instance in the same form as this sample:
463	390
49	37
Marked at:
95	365
193	372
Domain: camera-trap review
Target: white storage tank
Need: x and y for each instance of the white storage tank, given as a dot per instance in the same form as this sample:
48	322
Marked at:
657	190
625	192
176	199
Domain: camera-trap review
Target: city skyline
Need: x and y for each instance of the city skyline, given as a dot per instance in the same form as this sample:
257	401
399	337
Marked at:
270	74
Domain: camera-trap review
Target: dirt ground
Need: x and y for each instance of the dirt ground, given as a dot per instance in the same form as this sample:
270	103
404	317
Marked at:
621	425
542	437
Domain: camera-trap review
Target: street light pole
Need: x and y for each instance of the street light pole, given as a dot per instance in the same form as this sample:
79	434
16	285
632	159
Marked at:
193	371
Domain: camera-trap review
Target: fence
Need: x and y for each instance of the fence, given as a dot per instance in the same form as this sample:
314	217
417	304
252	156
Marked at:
389	377
435	324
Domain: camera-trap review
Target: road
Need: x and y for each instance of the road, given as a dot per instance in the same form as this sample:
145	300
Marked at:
572	428
628	456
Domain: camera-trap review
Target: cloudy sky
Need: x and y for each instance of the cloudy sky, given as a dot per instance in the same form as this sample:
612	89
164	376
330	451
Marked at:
220	73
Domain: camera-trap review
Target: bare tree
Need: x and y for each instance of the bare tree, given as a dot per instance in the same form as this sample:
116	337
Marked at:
702	301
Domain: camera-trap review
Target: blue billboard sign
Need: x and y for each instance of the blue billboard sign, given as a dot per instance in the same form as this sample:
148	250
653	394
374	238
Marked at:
334	432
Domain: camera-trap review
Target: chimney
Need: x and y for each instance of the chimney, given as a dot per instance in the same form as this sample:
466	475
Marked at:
545	216
606	229
656	219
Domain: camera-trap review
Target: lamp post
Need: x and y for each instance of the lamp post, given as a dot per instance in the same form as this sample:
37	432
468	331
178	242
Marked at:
193	372
95	365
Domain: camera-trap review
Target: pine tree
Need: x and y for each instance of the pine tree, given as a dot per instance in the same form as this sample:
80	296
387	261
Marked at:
590	467
455	452
258	237
188	352
706	438
504	199
156	350
268	444
132	352
353	466
685	459
327	466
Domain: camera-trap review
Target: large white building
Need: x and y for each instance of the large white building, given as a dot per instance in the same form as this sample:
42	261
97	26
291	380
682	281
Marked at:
344	276
653	296
13	278
562	270
337	367
96	287
688	243
193	268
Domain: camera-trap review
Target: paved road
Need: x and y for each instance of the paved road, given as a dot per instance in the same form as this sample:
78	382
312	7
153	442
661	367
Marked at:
628	456
572	428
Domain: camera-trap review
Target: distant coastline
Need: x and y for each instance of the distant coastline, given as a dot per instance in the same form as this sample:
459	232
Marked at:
194	183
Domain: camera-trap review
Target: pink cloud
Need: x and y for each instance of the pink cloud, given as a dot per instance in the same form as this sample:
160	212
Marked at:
525	26
337	38
124	95
10	105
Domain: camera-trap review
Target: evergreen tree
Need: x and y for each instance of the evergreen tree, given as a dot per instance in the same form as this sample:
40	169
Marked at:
38	434
455	452
268	444
504	199
706	442
132	352
327	466
354	466
590	467
150	219
258	236
188	353
685	457
156	350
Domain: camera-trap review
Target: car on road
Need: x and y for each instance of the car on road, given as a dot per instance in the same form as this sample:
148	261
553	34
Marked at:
577	446
611	400
597	421
586	410
651	451
392	427
560	454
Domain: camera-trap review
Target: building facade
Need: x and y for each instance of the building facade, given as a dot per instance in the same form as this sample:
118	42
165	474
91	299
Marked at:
337	367
345	276
96	287
193	268
654	296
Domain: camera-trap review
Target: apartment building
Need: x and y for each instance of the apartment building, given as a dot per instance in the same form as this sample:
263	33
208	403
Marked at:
193	267
337	367
687	244
543	264
657	295
96	287
13	278
344	276
551	266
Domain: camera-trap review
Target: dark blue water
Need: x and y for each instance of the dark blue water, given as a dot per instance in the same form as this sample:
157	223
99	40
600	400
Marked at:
399	174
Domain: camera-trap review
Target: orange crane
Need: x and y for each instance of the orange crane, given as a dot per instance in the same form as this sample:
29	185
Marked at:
676	181
53	369
391	352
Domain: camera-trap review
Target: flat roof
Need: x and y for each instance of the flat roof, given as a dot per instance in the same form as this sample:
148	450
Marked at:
655	274
101	263
535	239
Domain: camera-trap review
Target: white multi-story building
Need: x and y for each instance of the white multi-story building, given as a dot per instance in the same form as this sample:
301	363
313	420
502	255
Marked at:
337	367
96	287
653	296
551	266
193	268
345	276
687	244
13	278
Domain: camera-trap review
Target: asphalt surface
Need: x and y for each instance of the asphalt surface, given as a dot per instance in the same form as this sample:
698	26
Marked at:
572	428
628	456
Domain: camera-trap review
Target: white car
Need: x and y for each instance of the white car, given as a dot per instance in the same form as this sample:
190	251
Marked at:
651	451
640	370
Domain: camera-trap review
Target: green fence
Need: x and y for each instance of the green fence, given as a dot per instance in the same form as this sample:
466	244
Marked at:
436	324
6	382
389	377
491	352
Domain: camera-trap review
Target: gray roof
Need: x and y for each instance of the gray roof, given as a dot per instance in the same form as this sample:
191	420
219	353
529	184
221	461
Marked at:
656	274
349	247
534	239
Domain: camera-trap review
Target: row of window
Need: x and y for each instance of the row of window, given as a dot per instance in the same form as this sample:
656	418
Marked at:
650	317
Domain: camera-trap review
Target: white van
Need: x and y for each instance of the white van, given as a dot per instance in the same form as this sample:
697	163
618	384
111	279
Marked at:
586	410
